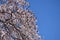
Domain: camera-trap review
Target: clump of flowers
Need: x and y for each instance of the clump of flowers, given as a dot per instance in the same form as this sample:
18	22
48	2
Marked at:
17	22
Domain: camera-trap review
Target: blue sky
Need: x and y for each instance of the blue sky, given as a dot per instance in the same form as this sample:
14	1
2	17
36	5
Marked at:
48	16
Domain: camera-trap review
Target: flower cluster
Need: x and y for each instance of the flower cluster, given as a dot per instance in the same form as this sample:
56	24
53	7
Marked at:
17	23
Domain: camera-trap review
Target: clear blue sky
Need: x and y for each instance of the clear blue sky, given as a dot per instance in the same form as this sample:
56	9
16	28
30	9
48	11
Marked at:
48	16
